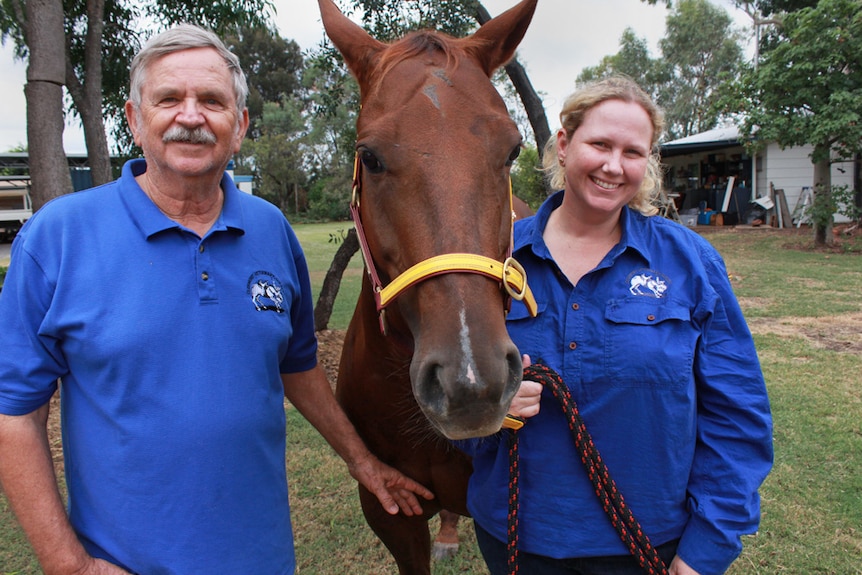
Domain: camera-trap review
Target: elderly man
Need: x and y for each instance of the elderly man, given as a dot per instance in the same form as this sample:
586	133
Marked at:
176	312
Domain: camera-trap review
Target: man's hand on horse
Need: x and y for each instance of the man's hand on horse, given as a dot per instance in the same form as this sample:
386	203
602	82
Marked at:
395	491
526	401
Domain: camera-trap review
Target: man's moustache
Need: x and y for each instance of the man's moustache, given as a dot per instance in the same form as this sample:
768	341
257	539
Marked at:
189	136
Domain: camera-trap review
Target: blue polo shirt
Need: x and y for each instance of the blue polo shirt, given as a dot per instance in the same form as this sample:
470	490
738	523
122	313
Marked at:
170	349
657	355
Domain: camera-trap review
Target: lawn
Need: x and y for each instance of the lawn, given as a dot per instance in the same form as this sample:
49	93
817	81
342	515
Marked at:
805	310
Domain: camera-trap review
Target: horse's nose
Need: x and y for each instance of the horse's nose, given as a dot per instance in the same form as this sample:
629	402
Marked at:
468	396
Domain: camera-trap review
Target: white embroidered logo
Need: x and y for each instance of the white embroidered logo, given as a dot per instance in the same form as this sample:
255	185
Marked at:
265	292
649	281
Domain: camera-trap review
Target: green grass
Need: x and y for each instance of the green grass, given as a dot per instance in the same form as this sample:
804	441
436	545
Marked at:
812	500
320	242
15	555
805	309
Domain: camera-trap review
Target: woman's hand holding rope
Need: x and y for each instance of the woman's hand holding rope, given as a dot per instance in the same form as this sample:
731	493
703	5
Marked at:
526	401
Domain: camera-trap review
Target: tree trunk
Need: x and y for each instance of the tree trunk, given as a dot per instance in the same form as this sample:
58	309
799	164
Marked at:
46	69
332	281
822	202
532	103
857	181
86	93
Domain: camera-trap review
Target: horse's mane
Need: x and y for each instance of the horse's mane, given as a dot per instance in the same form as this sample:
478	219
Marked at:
421	41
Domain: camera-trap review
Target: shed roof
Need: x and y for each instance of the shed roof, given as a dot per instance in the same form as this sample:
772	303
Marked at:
716	139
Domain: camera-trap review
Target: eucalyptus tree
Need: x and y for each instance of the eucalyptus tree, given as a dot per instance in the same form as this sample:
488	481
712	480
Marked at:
273	66
702	51
632	60
275	155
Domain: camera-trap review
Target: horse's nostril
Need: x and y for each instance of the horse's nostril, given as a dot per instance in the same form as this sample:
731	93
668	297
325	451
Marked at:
516	370
429	390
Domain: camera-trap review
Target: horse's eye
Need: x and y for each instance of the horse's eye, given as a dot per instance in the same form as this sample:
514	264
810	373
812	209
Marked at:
514	155
370	161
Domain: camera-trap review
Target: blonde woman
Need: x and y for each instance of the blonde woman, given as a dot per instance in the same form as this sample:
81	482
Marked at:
639	319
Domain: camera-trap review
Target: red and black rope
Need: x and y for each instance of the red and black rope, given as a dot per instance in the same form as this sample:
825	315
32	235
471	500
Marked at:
629	530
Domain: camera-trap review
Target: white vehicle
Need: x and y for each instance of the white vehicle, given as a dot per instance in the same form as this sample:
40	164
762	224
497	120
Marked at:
15	205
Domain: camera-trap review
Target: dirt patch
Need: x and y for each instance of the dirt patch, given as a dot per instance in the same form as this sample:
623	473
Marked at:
842	333
847	238
329	343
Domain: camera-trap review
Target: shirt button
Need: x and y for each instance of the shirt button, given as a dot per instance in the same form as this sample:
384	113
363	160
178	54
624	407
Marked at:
205	276
650	317
573	345
201	248
576	307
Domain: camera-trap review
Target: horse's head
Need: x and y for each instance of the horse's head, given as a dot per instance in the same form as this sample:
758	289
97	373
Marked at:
435	144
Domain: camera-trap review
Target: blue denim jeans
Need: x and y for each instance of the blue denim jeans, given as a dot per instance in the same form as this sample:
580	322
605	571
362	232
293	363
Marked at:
496	557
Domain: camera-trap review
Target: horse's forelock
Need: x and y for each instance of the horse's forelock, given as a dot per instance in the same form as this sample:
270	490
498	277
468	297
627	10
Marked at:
416	43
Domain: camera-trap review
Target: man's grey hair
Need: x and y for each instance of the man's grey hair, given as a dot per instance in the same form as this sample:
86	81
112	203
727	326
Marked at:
184	37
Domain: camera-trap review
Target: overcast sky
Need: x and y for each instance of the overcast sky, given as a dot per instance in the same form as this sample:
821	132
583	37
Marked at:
565	37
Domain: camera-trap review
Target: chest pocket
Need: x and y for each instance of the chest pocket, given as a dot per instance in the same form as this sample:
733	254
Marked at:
649	343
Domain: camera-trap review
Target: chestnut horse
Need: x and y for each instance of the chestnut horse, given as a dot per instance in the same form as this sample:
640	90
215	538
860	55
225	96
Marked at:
432	198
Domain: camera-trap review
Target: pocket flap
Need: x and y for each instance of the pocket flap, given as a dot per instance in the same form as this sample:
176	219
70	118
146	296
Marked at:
645	312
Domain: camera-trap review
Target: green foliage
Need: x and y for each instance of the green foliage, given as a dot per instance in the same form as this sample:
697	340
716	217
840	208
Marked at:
328	199
219	15
275	157
632	60
702	51
823	207
528	182
840	200
273	66
333	104
120	42
699	53
122	36
808	88
387	20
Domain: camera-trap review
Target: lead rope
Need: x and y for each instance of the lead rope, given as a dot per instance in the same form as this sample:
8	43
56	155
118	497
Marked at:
629	530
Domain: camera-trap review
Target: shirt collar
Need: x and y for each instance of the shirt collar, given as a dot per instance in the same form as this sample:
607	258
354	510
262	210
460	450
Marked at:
528	232
151	221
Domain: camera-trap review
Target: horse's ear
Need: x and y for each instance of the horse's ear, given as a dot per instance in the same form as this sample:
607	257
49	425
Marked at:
358	48
501	35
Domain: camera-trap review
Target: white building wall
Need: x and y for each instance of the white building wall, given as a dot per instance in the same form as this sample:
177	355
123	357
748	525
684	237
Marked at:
791	170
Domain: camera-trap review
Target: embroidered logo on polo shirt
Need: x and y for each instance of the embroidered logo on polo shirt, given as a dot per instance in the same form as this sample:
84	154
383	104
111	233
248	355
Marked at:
265	292
648	283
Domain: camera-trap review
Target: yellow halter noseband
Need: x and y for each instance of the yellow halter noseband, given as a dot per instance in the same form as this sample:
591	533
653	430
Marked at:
509	273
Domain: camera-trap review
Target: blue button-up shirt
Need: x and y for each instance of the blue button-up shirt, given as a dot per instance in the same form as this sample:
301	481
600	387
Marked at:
658	357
